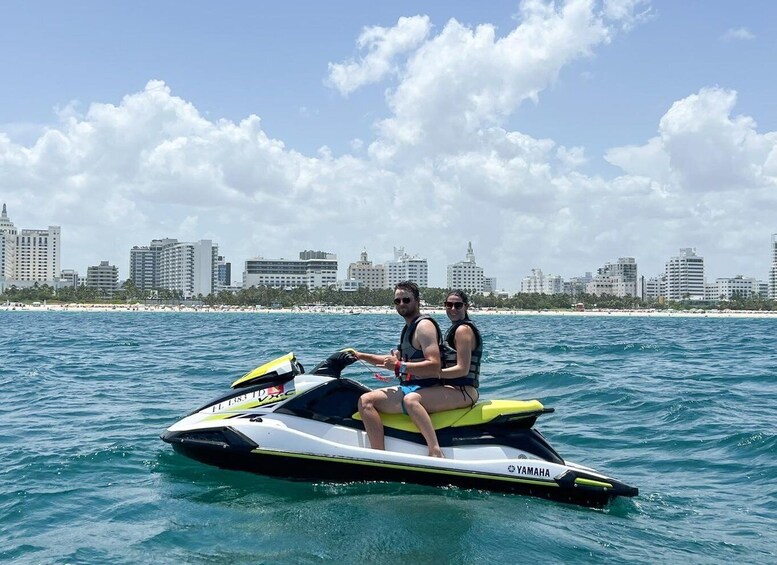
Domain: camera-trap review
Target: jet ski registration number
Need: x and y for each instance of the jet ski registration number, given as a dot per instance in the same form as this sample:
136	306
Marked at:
255	398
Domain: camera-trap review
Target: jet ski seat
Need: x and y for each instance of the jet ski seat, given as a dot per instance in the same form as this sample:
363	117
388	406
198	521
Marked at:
481	413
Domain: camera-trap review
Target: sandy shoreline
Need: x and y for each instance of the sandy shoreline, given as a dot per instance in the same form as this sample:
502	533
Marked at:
379	310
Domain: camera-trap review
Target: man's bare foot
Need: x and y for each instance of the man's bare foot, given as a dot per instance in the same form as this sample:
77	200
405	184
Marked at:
436	452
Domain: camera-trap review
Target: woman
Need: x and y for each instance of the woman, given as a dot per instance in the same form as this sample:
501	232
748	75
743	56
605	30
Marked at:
464	349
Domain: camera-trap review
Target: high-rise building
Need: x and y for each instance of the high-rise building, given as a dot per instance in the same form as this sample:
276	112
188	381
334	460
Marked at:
189	268
7	246
773	270
406	268
466	275
144	264
371	276
224	273
617	279
314	269
29	255
104	277
38	255
685	276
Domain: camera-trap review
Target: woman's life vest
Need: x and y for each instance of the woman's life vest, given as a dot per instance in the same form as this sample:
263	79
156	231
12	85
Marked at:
472	378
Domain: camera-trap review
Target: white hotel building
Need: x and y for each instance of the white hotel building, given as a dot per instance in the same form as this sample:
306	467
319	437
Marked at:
616	279
466	275
738	286
190	268
30	255
363	273
539	283
314	269
406	268
685	276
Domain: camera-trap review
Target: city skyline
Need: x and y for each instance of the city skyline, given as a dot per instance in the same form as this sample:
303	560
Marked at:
557	136
621	277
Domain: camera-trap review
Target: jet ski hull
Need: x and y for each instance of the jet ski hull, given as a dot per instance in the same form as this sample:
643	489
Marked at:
236	451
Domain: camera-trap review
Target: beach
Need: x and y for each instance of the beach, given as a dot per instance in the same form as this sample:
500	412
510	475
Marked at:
354	310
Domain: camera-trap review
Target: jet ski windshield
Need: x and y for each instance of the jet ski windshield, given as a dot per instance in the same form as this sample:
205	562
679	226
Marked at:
282	369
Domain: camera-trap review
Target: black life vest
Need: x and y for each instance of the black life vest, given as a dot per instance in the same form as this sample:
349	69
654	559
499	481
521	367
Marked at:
407	352
472	378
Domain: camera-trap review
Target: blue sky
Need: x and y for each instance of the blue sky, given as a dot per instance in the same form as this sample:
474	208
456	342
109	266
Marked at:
558	136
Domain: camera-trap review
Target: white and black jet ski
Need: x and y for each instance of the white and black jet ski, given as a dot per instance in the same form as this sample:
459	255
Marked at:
278	420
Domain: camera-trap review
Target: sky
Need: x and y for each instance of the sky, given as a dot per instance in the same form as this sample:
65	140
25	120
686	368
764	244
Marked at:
552	135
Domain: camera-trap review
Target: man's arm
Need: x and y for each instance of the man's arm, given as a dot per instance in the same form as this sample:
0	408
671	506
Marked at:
383	360
426	340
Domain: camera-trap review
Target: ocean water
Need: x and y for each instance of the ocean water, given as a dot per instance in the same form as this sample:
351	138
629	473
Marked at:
683	408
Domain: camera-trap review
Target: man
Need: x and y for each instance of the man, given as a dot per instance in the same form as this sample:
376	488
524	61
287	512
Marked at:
417	363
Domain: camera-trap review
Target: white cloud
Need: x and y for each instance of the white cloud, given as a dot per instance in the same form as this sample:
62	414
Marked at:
627	13
649	160
711	177
739	33
702	148
383	45
465	79
441	171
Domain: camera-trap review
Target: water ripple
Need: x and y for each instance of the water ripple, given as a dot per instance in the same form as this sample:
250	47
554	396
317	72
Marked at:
683	408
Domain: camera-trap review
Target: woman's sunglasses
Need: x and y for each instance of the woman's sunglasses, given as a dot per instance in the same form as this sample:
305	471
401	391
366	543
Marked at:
456	305
404	300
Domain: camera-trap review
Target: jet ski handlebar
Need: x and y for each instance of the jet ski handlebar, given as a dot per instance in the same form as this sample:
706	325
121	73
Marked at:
333	365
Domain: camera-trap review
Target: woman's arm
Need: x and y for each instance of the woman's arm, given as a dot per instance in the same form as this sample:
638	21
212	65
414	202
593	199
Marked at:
465	342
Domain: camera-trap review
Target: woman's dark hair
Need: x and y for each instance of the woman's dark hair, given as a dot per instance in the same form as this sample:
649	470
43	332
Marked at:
464	298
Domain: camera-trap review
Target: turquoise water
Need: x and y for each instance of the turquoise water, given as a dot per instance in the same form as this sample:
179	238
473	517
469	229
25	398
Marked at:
685	409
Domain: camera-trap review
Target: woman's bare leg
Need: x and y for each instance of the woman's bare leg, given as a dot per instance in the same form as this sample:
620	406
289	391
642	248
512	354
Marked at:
426	401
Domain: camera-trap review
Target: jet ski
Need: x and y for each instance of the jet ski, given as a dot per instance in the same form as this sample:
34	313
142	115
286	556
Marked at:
280	421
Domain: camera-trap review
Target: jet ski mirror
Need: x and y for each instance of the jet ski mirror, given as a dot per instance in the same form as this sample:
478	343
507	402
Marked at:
333	365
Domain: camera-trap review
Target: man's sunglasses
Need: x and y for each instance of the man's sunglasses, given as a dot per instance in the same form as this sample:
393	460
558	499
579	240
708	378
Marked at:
456	305
404	300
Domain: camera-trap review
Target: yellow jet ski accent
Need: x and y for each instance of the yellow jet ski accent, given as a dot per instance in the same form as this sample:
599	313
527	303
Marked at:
487	410
481	413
